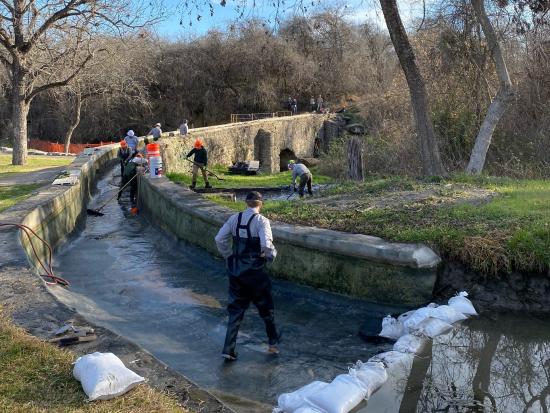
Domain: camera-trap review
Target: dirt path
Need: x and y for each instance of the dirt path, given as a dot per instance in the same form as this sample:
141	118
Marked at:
437	195
35	177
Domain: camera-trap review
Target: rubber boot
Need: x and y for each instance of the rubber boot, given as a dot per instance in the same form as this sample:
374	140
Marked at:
193	185
207	185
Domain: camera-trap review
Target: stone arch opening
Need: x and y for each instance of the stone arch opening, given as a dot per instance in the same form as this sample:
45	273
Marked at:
285	156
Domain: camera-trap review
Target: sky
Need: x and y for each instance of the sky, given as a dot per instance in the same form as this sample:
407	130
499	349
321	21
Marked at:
182	23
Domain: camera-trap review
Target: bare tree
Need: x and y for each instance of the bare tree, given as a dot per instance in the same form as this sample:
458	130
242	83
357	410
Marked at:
500	101
126	80
47	44
429	149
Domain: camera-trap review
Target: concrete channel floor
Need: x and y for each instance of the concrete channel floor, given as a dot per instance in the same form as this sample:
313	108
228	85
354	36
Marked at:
170	297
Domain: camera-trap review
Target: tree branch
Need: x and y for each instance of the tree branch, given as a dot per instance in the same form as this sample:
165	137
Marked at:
58	15
5	60
492	40
60	83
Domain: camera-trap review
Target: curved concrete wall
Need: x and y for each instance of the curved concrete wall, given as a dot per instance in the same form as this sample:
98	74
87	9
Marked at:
261	140
353	264
54	212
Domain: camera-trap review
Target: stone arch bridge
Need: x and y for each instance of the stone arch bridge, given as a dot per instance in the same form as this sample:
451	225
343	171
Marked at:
271	141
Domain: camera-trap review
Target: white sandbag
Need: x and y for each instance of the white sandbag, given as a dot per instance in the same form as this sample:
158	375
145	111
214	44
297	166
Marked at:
340	396
410	343
307	409
371	374
103	376
462	304
393	360
391	328
433	327
405	316
290	402
412	322
448	314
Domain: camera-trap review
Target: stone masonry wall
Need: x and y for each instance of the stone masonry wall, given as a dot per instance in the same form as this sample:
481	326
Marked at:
261	140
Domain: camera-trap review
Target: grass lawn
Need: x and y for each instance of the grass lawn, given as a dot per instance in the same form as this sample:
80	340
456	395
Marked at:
510	231
246	181
37	377
34	163
11	195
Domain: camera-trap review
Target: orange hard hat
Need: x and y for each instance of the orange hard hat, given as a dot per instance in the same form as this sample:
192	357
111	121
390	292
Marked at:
123	144
198	143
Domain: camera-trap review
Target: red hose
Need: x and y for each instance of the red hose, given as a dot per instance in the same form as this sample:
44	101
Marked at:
54	279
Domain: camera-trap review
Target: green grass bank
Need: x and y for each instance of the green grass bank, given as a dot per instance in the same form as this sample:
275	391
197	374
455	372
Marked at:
493	225
34	163
11	195
231	181
36	377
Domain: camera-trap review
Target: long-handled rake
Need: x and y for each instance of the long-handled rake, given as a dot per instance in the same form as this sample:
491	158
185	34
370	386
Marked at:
207	170
97	212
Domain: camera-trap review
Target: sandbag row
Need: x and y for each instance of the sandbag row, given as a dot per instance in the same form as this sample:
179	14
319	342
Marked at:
412	330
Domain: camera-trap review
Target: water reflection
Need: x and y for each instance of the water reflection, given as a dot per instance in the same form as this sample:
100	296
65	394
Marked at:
499	364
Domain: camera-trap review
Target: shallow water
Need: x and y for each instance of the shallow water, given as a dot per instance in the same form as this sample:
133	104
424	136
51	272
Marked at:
169	297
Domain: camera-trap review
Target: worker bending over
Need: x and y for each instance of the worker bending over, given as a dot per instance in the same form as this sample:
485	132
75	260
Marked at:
200	160
299	170
136	164
124	152
246	259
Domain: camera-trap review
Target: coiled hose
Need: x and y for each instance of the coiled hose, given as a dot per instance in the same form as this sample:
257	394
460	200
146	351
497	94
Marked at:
49	278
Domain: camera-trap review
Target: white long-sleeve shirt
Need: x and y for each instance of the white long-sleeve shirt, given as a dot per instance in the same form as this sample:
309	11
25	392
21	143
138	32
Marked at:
259	227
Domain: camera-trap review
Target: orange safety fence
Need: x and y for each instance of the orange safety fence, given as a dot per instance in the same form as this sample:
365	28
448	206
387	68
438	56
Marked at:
59	147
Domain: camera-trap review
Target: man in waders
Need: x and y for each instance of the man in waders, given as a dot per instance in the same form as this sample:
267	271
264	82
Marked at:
200	161
299	170
248	281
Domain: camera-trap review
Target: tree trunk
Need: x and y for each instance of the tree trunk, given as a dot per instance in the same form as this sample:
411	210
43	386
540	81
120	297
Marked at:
20	110
431	161
415	382
75	120
500	102
482	378
355	159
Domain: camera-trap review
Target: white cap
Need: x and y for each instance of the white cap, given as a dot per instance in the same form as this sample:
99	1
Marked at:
158	124
130	133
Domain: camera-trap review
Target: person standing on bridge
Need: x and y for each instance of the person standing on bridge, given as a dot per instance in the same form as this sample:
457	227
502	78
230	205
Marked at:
156	132
200	161
246	259
299	170
184	129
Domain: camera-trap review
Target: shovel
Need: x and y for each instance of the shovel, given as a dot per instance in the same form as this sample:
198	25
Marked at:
207	170
97	212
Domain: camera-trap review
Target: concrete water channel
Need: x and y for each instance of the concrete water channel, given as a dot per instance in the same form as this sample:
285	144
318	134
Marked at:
169	297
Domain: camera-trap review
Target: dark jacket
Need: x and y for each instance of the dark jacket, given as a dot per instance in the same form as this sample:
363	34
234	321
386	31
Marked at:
201	156
123	154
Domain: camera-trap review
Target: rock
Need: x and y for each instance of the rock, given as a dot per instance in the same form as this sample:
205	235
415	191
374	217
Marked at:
355	128
309	162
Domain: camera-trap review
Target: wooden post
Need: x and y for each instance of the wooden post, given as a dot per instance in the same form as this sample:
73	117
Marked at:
355	159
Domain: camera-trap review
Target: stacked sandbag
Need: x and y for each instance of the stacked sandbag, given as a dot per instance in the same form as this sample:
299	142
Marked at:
340	396
411	330
431	321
